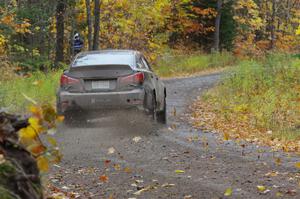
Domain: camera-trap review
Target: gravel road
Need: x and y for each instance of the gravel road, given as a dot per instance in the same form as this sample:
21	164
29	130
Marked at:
139	160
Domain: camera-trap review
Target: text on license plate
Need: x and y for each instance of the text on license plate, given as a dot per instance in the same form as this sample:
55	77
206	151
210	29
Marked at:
100	84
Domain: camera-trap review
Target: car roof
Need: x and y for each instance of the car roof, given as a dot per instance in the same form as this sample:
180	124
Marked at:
106	57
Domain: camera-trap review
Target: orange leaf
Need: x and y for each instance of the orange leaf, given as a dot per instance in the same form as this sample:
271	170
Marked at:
103	178
37	149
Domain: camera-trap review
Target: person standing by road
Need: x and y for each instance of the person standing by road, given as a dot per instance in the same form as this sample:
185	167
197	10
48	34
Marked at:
77	44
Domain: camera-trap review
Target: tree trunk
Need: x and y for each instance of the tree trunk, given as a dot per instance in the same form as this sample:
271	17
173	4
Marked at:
273	37
216	46
89	24
60	11
96	25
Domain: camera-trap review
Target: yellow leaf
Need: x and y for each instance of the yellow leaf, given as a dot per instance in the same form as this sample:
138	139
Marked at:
278	161
127	170
297	165
27	133
226	136
261	188
279	194
35	124
179	171
117	167
43	164
60	118
228	192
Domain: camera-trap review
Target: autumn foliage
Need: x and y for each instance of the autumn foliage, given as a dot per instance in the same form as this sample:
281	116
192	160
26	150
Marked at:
248	27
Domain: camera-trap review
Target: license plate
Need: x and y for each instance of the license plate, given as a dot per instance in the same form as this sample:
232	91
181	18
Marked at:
100	84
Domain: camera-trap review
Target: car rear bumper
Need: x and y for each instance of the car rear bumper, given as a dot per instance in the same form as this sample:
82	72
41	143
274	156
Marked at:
100	101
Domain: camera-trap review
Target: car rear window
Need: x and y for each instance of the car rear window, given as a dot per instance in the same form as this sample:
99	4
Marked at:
102	59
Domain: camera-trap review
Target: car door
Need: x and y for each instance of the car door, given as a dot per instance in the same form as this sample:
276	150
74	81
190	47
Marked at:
158	84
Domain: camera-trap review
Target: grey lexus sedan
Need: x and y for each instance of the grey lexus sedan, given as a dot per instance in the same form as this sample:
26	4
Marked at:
110	80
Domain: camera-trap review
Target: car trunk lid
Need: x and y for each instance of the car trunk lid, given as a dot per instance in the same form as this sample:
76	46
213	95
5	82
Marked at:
100	78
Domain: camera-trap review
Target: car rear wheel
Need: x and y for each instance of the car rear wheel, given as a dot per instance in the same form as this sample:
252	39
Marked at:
162	115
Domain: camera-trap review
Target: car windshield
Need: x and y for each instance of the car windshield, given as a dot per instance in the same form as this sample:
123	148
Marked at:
103	59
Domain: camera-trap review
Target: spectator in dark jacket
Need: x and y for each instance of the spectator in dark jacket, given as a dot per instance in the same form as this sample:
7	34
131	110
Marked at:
77	44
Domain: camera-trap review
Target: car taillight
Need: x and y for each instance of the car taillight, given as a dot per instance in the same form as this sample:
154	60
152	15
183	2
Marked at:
137	78
66	80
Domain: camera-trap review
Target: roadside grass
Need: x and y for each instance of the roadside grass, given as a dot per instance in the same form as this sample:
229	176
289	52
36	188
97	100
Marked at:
41	87
185	65
259	100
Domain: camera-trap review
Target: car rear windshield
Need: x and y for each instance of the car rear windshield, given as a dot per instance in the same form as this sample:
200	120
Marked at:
102	59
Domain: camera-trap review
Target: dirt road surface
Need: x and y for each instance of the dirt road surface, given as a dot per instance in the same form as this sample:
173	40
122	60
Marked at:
139	160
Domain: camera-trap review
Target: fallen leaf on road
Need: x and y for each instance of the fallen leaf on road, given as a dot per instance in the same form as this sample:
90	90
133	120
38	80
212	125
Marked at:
279	194
117	167
228	192
111	150
278	161
291	192
266	191
127	170
297	165
65	187
103	178
139	181
167	185
136	139
107	162
261	188
272	174
174	112
187	197
142	190
226	136
173	126
179	171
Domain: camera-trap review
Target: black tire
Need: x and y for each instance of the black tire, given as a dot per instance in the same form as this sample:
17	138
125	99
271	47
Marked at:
154	109
162	115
